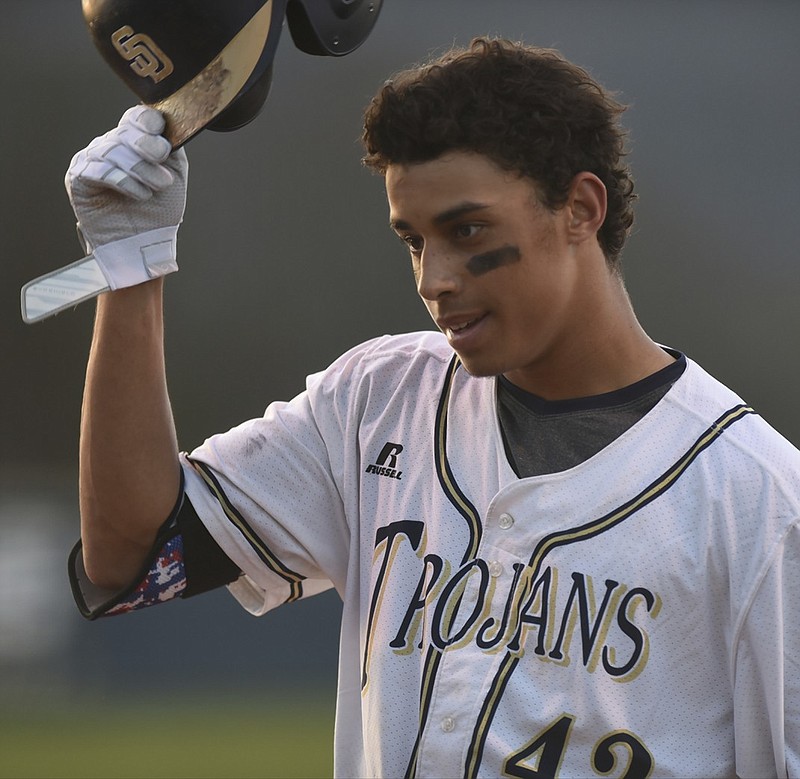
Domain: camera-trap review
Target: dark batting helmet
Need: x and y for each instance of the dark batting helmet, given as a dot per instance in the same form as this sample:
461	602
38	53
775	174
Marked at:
208	63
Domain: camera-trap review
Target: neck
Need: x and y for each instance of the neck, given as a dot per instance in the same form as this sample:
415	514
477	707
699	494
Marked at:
606	349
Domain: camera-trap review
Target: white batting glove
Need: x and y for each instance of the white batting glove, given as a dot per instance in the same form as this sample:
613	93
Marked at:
128	192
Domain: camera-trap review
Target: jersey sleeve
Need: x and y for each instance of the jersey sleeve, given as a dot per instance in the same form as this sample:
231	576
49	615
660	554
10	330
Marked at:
276	492
767	669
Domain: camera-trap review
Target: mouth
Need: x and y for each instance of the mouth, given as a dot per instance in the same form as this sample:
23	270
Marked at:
456	329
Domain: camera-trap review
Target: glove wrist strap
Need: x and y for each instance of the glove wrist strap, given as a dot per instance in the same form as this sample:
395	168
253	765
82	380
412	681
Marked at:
139	258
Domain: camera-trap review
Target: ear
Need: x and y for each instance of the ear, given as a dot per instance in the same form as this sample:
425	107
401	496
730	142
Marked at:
586	206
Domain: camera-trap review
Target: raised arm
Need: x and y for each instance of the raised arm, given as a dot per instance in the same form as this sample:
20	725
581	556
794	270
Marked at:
129	472
128	193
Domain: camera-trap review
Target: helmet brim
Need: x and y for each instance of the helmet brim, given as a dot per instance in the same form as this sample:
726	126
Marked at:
245	63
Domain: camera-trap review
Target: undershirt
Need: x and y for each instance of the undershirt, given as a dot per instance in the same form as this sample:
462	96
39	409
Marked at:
547	436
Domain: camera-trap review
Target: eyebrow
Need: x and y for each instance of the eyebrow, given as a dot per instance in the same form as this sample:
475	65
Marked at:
448	215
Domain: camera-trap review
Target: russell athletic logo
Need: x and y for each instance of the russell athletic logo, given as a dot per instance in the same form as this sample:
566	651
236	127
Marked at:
141	51
386	463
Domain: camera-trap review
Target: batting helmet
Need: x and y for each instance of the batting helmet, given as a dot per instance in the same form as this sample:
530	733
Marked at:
208	63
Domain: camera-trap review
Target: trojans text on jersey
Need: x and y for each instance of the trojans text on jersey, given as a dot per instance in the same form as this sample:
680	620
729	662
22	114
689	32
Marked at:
553	615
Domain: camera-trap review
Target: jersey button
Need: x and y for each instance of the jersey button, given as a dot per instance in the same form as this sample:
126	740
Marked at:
505	521
448	724
495	569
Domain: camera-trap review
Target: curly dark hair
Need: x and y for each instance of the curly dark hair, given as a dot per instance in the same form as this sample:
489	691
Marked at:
527	109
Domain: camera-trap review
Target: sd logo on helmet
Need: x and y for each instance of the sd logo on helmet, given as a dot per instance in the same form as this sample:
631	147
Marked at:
208	63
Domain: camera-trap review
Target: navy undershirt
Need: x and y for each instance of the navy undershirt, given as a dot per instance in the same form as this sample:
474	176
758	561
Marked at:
544	436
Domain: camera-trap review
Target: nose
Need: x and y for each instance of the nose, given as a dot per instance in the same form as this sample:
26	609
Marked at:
437	273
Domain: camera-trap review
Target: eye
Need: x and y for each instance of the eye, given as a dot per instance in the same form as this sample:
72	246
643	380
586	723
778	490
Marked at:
414	243
467	230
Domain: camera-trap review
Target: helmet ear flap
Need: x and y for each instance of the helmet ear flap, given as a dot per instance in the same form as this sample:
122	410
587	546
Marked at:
331	27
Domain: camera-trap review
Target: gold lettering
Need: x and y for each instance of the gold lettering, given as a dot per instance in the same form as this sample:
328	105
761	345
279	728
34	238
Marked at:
145	57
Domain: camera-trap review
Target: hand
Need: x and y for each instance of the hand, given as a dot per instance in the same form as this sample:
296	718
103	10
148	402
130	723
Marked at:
128	191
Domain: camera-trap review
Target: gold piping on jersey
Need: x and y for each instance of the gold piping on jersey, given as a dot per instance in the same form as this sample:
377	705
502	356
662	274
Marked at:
446	478
432	660
649	494
490	704
574	535
294	580
470	513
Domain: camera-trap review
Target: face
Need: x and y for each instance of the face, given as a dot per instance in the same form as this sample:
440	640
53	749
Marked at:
496	269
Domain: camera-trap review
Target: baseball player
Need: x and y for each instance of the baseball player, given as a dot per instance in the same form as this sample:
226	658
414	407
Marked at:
563	549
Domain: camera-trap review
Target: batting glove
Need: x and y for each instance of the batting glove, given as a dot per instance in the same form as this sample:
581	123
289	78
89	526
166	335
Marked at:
128	191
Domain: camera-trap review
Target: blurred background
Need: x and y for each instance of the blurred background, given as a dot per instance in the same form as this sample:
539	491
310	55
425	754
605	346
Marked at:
287	260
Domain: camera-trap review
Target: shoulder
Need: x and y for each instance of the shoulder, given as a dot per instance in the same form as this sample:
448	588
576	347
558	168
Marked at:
387	358
387	378
754	452
423	345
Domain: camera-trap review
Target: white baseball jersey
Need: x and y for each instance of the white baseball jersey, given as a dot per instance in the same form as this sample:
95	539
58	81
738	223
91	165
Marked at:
636	615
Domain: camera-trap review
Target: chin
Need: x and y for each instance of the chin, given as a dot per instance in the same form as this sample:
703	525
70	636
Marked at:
479	368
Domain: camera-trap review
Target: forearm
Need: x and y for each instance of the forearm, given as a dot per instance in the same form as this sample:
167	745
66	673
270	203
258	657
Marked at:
129	471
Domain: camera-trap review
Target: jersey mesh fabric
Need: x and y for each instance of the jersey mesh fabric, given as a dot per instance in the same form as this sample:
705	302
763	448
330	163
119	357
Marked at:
632	608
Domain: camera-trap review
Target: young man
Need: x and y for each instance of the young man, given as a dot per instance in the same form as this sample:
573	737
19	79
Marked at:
562	549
